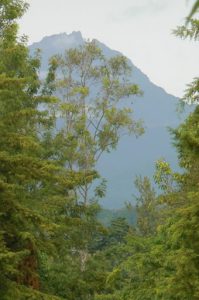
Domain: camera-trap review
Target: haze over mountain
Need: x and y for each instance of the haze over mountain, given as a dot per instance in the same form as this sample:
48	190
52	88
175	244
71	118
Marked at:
133	156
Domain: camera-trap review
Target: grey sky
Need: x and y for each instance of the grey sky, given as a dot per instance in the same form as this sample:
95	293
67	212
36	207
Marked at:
140	29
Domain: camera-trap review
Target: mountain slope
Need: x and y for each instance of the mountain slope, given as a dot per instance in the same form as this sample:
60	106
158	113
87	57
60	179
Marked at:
133	156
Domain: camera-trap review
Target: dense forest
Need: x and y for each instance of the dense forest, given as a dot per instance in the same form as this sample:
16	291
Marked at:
52	243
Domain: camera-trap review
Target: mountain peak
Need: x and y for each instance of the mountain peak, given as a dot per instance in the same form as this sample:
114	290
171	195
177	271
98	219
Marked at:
64	36
57	42
76	34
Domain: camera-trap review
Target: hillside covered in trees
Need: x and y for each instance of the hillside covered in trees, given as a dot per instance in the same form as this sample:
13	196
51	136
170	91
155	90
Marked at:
53	133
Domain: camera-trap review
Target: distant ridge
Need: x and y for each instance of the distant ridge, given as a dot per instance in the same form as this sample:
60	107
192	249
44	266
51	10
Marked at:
134	156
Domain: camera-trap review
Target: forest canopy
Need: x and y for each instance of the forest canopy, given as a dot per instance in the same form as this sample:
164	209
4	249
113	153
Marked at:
52	243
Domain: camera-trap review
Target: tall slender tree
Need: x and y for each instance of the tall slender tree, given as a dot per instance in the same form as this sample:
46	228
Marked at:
93	90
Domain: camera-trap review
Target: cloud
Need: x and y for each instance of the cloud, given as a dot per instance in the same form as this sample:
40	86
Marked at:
143	7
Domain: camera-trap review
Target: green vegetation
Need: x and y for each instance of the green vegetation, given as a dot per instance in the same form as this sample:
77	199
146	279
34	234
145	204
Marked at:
128	213
55	241
92	121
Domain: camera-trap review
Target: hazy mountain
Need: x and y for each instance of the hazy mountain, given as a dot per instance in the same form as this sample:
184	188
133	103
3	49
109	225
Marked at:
134	156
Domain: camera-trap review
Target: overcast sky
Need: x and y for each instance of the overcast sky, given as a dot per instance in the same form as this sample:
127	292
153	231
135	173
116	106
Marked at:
140	29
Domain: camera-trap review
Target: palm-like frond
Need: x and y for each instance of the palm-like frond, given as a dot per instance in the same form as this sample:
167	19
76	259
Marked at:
194	10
